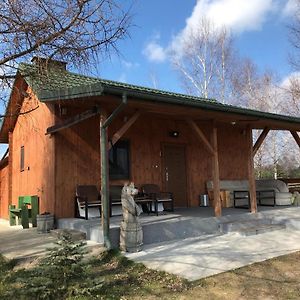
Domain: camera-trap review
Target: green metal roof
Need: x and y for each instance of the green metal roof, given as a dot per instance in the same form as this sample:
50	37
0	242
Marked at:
59	84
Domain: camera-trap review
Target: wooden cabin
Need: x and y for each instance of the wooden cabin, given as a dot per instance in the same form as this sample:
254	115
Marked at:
58	123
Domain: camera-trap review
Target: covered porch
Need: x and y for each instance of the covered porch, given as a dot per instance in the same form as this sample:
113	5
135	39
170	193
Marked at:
213	142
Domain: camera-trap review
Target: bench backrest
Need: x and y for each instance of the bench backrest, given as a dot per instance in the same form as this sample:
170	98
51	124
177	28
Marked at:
88	192
31	201
115	192
261	184
150	188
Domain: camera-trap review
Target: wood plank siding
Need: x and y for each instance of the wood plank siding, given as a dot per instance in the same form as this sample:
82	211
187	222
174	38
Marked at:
77	155
77	162
4	191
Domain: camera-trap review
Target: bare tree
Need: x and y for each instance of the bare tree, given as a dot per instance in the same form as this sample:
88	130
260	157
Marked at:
75	31
203	60
255	90
292	87
245	82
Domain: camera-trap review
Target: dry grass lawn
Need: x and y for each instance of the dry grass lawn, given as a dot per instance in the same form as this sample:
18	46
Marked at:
277	278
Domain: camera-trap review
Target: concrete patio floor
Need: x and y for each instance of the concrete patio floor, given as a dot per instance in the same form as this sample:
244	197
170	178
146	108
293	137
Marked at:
200	257
192	257
28	244
206	255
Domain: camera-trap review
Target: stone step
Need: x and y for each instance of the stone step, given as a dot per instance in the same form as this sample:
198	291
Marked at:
75	235
241	225
260	229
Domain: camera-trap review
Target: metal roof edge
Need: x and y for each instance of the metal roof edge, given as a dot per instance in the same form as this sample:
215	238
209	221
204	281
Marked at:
207	105
74	92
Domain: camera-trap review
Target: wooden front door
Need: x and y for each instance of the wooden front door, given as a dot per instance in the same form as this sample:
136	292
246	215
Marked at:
175	173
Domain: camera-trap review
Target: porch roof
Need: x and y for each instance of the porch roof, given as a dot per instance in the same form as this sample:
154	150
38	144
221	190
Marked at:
57	84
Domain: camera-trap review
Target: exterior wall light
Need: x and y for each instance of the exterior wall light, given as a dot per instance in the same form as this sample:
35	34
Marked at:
174	134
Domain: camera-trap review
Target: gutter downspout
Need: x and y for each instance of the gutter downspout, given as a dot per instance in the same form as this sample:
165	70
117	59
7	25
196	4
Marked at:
104	123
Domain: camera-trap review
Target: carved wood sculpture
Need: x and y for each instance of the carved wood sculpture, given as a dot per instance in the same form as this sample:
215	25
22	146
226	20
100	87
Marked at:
131	234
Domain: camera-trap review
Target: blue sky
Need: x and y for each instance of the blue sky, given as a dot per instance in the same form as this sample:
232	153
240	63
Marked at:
259	28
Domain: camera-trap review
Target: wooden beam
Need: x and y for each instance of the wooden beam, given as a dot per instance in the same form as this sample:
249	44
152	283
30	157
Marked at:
296	137
260	140
74	120
201	135
123	129
251	175
216	173
119	108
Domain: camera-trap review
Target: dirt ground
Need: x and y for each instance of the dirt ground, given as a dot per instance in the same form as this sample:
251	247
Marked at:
277	278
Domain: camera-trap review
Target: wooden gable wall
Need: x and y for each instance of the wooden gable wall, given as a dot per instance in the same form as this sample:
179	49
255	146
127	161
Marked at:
37	178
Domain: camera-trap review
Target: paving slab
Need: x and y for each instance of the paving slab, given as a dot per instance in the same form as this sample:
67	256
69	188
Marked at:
200	257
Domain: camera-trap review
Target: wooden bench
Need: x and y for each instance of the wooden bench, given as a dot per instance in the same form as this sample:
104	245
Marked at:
28	209
87	197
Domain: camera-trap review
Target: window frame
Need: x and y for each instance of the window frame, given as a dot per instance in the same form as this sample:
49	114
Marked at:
22	158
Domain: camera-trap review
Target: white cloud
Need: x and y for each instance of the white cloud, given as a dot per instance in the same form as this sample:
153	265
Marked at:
286	82
154	51
290	8
130	65
237	15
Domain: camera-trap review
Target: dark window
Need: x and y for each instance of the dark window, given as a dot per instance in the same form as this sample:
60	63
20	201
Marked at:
22	159
119	165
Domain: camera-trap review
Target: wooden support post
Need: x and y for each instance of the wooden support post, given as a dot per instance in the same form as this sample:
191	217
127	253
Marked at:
260	140
123	129
201	135
104	181
104	123
251	175
216	173
296	137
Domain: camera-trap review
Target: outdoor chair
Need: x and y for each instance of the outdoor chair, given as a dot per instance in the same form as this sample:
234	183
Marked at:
27	210
153	192
88	201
